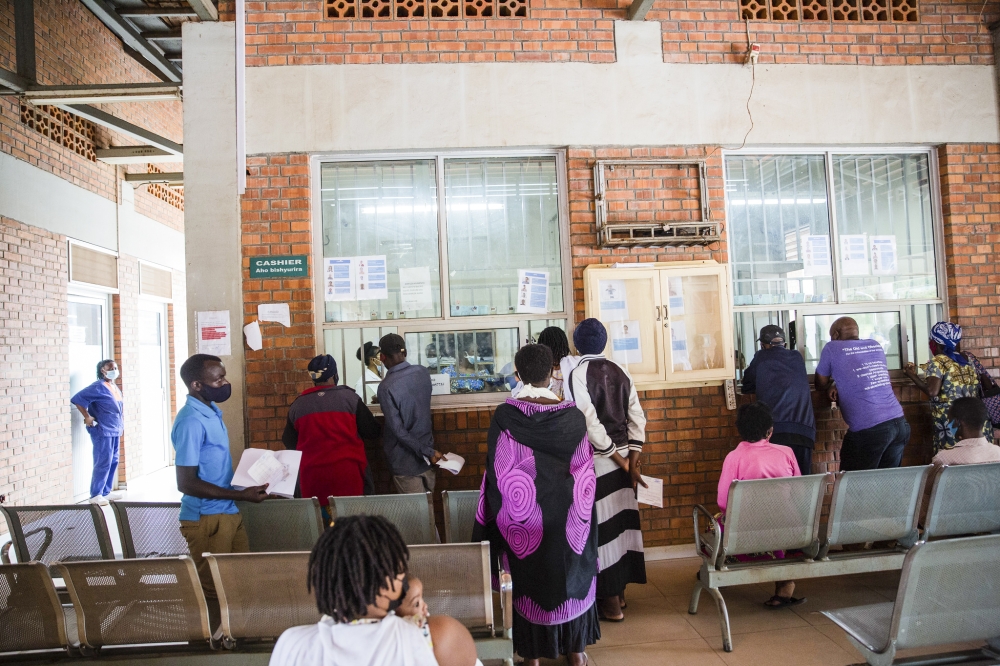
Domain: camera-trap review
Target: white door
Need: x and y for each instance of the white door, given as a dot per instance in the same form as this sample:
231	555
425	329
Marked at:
154	387
88	346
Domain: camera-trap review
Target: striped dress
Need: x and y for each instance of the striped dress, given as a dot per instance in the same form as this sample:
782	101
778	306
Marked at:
615	422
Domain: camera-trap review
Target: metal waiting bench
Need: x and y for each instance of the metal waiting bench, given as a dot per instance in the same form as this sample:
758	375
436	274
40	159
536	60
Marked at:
949	592
282	525
784	514
31	616
460	508
965	500
412	514
149	529
67	533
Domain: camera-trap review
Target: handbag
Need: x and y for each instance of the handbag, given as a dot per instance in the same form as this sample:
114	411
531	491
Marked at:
989	392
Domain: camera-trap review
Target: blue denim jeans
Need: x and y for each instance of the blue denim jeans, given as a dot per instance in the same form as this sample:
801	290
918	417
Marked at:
877	447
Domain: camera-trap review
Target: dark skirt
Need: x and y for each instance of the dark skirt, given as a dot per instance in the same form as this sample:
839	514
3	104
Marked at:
619	532
537	641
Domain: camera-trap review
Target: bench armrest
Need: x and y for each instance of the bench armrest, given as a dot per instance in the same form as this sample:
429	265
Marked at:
5	552
507	602
699	545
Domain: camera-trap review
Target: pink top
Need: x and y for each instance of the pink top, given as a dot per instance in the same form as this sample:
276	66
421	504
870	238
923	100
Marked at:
755	460
968	452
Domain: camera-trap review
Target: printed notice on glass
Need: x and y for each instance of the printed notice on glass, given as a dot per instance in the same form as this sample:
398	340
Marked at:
679	346
652	494
338	279
213	333
532	292
611	297
415	288
675	302
372	278
884	258
626	346
817	256
854	254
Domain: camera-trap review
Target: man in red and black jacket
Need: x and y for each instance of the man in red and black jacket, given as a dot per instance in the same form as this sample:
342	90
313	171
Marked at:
327	424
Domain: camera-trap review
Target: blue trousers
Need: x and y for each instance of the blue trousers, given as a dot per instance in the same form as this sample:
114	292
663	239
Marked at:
105	464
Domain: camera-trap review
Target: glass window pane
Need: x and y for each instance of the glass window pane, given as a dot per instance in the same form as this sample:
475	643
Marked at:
884	210
880	326
779	229
747	330
922	317
502	215
479	361
695	317
347	347
383	208
536	326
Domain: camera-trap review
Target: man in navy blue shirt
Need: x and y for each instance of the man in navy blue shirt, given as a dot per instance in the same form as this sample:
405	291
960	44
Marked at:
778	376
210	521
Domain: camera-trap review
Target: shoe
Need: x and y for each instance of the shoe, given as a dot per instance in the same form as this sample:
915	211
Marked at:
98	500
114	496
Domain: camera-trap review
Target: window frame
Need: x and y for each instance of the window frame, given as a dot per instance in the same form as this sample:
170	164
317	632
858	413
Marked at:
798	310
446	322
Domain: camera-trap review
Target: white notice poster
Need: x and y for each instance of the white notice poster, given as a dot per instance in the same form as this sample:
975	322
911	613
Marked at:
854	254
626	345
415	289
252	331
532	292
440	384
817	256
372	278
611	296
338	279
884	258
274	312
213	333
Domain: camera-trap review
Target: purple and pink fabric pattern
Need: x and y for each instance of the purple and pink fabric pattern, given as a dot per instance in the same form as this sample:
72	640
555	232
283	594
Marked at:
520	517
584	490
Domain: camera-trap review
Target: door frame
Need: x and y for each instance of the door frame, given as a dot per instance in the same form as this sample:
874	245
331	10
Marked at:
159	305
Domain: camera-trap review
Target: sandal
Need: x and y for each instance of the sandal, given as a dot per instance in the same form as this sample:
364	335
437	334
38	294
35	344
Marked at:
604	618
621	601
783	602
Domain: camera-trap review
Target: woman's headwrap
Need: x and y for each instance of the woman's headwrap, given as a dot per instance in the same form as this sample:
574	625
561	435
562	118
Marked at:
947	336
322	368
590	336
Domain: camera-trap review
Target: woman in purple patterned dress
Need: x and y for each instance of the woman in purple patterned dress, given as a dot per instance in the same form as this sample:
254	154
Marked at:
536	508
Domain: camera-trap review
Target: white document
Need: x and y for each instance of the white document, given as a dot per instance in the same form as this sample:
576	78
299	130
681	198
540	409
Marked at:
817	256
626	345
415	289
675	299
884	258
338	279
440	384
612	300
274	312
252	332
532	292
278	469
213	333
451	462
372	278
653	495
854	254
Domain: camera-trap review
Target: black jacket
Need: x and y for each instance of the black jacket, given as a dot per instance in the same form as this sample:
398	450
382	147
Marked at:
778	377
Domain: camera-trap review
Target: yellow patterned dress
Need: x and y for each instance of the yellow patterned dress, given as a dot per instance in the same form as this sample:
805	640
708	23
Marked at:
957	381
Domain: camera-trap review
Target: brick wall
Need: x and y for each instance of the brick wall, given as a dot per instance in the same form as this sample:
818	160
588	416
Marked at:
297	32
35	460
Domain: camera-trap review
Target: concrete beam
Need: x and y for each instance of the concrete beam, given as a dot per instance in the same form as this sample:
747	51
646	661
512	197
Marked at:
205	9
24	38
136	155
156	12
125	92
638	9
128	34
12	81
159	35
170	178
104	119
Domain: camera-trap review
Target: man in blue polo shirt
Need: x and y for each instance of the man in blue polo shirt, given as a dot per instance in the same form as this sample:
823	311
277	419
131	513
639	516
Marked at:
210	521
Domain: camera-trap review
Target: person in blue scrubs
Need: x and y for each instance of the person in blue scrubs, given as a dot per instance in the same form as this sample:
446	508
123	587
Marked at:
103	408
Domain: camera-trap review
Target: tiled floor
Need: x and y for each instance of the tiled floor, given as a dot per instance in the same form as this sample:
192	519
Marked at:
658	631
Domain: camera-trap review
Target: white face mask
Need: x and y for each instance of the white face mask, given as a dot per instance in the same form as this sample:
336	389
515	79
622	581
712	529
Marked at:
111	374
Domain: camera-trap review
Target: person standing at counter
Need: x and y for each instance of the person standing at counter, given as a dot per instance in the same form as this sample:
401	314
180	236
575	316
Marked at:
103	408
372	372
405	397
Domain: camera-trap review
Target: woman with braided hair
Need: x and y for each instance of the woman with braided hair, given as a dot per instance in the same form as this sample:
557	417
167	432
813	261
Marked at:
358	574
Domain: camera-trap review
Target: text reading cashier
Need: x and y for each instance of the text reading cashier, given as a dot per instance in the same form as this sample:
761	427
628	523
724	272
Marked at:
210	521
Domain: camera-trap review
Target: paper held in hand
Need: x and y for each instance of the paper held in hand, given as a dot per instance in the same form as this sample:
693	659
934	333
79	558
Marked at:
653	495
451	462
278	469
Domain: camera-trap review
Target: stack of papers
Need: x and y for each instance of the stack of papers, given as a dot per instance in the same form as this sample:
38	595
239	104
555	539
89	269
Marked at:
653	495
279	470
451	462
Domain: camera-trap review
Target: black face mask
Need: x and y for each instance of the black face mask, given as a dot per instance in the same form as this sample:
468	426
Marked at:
396	603
220	394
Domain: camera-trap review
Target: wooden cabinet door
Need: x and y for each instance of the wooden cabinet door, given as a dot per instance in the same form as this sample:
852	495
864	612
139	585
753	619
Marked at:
627	301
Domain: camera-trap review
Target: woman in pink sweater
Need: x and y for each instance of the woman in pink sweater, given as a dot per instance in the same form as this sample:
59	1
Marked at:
757	458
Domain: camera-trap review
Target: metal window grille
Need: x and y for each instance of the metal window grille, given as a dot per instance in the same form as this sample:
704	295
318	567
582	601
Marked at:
839	11
418	9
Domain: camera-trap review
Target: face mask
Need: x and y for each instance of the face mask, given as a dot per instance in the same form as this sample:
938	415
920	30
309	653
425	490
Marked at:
396	603
953	429
220	394
111	374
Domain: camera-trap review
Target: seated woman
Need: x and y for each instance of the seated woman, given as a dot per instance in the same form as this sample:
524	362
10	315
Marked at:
536	509
357	570
757	458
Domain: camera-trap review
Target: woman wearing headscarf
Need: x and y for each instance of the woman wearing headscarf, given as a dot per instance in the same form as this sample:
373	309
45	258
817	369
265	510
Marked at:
103	409
536	508
949	375
367	384
327	423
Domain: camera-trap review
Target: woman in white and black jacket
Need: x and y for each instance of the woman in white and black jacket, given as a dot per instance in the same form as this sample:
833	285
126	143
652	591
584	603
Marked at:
616	427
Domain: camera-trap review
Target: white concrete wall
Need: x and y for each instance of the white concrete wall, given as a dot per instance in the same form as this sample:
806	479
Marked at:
637	101
211	203
145	238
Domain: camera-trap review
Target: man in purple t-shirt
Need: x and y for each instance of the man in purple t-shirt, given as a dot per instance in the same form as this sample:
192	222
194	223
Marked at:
876	429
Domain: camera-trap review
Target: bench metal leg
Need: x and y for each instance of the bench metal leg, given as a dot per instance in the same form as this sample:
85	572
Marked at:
695	596
727	637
